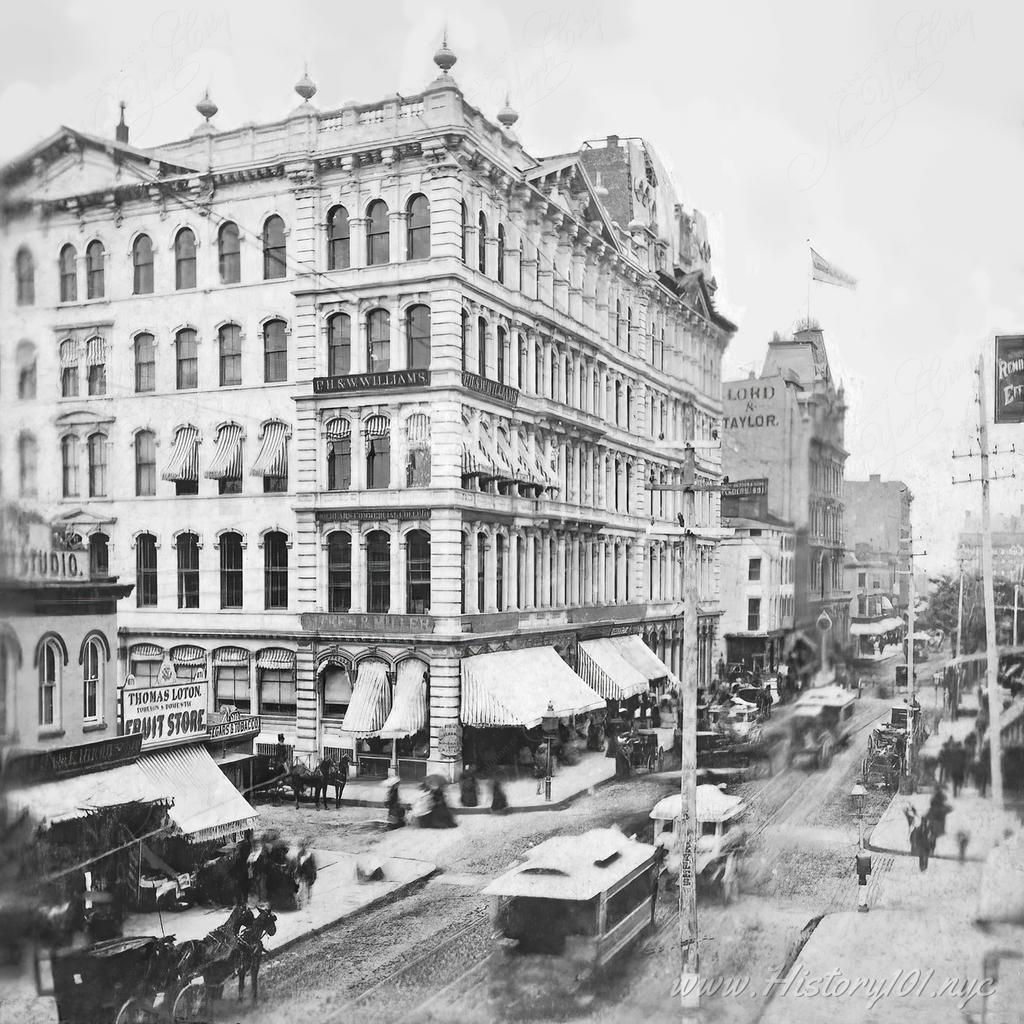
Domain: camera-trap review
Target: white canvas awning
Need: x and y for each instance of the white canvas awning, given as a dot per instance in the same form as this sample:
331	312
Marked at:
371	700
409	712
275	658
227	456
605	670
641	657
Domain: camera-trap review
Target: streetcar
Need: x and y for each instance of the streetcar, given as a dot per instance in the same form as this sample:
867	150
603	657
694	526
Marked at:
571	909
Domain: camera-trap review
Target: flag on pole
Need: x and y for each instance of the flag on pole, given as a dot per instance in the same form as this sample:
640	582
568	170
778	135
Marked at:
822	270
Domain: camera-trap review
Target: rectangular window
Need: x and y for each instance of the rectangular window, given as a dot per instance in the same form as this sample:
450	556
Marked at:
89	687
275	352
337	691
188	575
273	484
862	580
98	379
754	569
145	366
145	465
188	361
753	614
231	683
186	487
231	575
229	485
277	691
145	572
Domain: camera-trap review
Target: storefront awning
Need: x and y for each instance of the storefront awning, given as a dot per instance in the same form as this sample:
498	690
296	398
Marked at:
230	656
227	457
206	805
641	657
875	628
515	687
187	654
417	428
371	700
276	658
273	456
184	461
409	712
605	670
69	799
146	652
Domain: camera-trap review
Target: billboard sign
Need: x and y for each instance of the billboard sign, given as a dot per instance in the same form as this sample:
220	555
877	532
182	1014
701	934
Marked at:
166	713
1009	382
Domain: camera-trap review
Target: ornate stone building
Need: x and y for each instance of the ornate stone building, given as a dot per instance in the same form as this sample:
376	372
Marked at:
360	394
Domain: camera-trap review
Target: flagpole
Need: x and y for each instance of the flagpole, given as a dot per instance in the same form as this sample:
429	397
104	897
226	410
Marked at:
810	278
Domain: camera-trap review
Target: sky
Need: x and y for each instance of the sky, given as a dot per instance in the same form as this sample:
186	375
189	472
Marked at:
891	135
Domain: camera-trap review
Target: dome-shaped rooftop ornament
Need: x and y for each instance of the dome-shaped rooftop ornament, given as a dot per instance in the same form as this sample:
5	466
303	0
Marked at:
507	116
206	107
305	86
444	58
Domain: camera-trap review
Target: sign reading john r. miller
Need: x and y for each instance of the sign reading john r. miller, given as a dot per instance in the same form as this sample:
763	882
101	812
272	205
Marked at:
371	381
1009	378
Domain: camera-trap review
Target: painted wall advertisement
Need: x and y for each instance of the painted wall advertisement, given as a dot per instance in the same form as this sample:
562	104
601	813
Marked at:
164	714
1009	378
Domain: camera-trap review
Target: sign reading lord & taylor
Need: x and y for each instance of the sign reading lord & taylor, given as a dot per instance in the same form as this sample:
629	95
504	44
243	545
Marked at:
1009	378
169	712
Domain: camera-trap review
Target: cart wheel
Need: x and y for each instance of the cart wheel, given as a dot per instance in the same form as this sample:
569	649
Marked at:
132	1012
188	1005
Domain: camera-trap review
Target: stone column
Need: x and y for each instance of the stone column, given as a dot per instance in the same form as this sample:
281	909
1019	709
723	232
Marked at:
359	572
527	601
490	575
398	572
559	568
471	571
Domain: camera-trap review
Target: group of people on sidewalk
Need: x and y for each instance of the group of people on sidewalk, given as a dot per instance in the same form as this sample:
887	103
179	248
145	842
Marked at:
430	807
927	829
959	760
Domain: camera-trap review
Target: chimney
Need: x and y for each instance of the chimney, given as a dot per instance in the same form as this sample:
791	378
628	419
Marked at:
875	478
121	131
612	142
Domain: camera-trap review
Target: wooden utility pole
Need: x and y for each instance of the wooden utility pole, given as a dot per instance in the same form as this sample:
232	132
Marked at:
958	647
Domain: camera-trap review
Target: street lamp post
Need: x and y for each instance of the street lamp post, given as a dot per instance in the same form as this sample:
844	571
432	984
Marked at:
549	724
859	795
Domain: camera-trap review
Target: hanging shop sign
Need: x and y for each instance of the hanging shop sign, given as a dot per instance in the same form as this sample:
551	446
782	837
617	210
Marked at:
166	713
1009	366
363	622
449	741
234	726
46	765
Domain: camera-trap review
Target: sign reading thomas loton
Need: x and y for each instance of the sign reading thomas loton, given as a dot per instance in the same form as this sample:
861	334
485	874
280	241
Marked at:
1009	378
168	712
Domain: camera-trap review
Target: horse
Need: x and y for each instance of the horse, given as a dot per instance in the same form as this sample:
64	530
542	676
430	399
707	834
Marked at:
328	773
271	876
213	956
249	949
300	778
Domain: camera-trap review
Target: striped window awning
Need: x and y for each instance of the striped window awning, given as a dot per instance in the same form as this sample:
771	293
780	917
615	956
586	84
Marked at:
276	658
604	668
417	428
230	656
272	459
146	652
184	461
374	428
641	657
371	700
338	430
227	457
485	460
504	461
187	654
409	711
546	475
96	351
514	688
70	354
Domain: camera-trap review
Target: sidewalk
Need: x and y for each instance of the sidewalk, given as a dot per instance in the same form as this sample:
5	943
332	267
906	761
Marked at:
336	895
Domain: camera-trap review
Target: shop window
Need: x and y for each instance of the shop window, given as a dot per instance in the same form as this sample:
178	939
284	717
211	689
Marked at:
417	578
275	570
231	687
142	266
277	691
338	239
68	270
275	254
418	229
378	244
229	254
145	571
230	570
337	691
187	547
378	571
339	345
339	571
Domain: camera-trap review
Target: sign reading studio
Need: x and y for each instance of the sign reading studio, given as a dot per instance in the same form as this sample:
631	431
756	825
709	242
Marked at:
166	713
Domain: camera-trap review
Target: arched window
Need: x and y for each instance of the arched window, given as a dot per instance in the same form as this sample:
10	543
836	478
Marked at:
231	570
618	402
618	322
185	259
25	357
25	277
465	340
339	455
68	274
629	483
229	345
145	463
378	571
501	254
186	354
481	346
339	571
97	465
96	366
377	437
275	570
538	369
69	351
187	547
629	407
28	458
417	573
69	466
378	341
418	229
339	236
51	663
481	242
275	255
145	363
94	257
99	554
378	245
499	571
481	572
417	337
500	342
145	570
229	253
275	351
93	665
523	362
142	266
339	344
464	231
629	328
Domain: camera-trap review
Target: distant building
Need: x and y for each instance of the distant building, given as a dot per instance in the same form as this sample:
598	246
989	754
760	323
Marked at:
878	530
1007	545
786	427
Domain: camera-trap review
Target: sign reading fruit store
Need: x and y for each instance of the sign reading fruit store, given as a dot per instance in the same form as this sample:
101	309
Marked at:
165	713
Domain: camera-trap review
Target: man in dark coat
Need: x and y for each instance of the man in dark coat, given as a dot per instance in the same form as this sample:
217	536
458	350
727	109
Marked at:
957	768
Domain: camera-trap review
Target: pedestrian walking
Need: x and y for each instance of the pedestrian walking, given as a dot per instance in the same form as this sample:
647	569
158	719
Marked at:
945	761
963	837
469	790
938	810
921	844
957	768
862	864
393	804
983	770
499	800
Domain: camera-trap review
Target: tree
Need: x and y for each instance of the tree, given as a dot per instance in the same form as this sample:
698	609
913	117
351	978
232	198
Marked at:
941	612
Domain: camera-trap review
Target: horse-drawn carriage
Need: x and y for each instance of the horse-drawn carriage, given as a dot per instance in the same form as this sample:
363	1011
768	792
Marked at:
640	751
275	779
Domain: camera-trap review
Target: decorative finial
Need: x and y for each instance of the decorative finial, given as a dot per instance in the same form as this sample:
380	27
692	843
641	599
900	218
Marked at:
305	86
507	116
444	58
121	129
206	107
